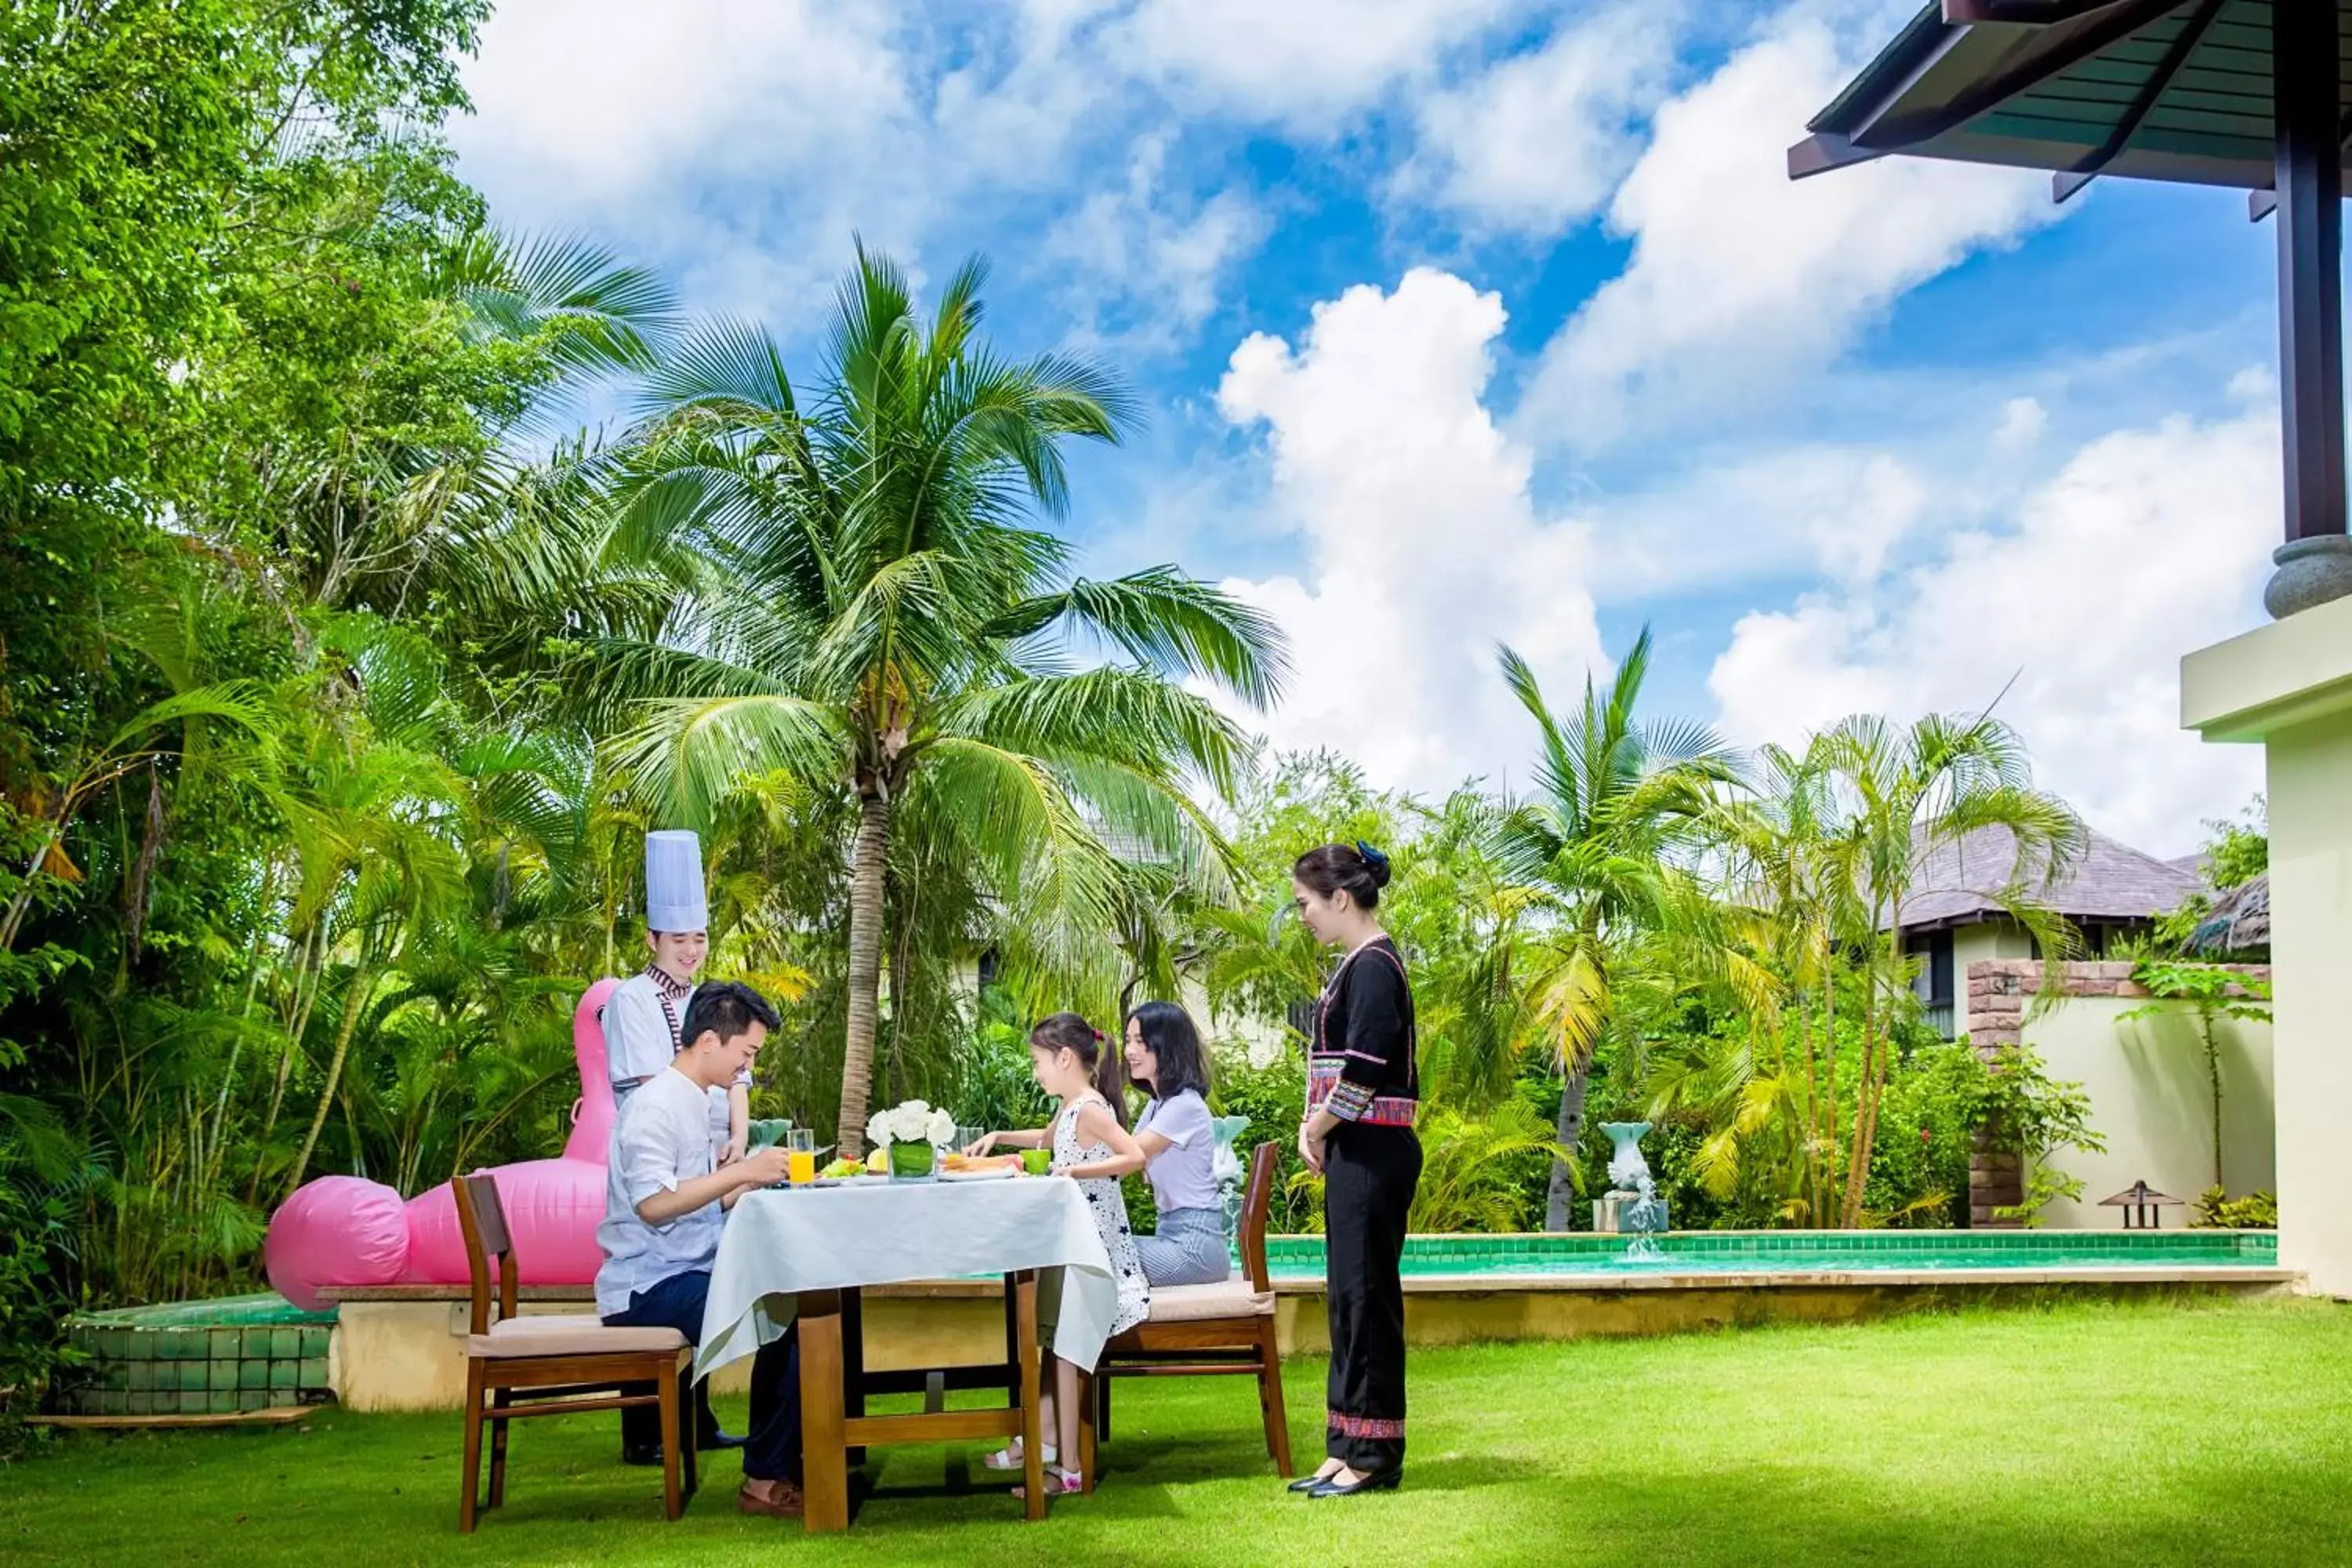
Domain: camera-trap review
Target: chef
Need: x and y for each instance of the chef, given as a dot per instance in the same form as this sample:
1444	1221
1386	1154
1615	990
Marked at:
643	1016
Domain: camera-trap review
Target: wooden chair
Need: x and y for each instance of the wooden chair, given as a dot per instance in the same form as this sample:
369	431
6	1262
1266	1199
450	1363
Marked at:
1207	1331
560	1365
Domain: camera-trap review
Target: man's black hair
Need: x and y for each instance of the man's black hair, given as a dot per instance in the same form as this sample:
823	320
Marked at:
727	1008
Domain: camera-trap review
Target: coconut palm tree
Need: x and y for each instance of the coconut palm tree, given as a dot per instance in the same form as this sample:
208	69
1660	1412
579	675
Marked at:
1900	794
1788	866
1616	799
866	601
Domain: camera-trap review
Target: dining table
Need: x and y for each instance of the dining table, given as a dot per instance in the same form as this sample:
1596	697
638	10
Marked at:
803	1254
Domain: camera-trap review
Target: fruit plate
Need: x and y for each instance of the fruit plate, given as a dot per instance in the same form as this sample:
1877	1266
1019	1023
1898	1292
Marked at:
868	1180
993	1174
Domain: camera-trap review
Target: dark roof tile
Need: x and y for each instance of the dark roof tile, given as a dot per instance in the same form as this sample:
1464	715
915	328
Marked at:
2109	880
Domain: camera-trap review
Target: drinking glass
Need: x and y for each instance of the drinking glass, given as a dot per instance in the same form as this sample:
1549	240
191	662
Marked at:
800	1155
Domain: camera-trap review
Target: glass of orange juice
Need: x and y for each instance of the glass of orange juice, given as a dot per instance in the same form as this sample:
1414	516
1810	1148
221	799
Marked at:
800	1155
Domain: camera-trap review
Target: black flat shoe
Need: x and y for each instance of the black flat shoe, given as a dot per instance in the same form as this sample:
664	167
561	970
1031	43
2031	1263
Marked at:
1307	1483
714	1440
1378	1482
640	1453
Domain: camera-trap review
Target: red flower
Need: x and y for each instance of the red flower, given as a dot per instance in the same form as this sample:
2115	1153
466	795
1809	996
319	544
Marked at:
1927	1136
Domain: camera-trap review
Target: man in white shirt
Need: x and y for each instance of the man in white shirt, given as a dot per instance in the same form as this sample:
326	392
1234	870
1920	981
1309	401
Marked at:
665	1208
643	1016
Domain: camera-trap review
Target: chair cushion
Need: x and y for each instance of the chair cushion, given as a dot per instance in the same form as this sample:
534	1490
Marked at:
568	1333
1201	1304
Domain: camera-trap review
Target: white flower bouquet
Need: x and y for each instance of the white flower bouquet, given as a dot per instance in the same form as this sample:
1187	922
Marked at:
913	1132
911	1121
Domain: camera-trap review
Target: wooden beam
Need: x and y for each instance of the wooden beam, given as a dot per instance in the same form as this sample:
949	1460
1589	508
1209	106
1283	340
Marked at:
2023	13
2068	183
279	1415
924	1426
1820	153
2309	182
2034	63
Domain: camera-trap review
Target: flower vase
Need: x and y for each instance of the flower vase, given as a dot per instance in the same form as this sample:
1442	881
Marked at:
913	1161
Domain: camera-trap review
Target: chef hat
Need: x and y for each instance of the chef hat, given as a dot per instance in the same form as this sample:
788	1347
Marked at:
673	898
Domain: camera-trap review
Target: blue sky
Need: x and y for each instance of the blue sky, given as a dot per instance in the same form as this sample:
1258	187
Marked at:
1468	321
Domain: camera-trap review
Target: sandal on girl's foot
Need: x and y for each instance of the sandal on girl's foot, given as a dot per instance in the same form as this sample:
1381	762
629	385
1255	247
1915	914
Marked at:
1059	1482
1009	1456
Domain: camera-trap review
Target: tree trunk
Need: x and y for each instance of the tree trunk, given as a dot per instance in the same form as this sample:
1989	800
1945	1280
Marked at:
865	972
1825	1173
1570	1129
355	1000
2213	1080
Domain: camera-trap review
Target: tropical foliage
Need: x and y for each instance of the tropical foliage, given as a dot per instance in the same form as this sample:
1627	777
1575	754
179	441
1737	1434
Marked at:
341	675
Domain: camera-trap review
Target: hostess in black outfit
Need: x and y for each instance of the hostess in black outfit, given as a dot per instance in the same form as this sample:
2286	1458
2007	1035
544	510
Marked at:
1363	1071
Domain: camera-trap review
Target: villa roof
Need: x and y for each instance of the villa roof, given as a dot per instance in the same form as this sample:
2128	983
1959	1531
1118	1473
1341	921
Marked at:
1958	882
2153	90
2239	922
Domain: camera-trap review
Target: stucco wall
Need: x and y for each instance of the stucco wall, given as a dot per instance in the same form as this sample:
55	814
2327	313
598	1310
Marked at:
1985	940
2146	1083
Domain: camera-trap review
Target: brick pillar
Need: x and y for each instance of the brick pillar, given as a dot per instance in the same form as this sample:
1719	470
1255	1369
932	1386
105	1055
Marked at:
1995	1017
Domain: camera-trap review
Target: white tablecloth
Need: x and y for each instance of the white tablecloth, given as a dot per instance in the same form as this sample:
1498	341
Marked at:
782	1240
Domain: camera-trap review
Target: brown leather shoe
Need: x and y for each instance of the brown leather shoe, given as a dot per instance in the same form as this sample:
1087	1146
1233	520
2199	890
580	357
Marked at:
784	1503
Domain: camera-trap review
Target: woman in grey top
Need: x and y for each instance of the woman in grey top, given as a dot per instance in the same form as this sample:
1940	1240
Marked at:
1164	1056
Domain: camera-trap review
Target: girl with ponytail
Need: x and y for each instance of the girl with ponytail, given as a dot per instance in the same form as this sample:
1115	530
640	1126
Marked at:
1091	1146
1362	1098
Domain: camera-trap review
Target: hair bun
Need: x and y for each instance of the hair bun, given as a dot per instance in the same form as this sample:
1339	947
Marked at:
1375	862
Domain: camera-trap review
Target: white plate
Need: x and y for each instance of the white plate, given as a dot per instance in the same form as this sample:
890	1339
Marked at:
868	1180
994	1173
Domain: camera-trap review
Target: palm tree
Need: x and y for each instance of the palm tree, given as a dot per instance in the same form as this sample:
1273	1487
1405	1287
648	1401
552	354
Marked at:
1789	868
1615	800
1901	794
865	603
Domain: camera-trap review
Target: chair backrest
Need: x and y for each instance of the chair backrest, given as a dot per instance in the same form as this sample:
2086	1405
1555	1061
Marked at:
483	1220
1256	1198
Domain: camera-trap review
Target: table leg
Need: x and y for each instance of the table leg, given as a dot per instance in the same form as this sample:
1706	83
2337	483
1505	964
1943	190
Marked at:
824	1462
853	1360
1033	1467
1086	1435
1012	1340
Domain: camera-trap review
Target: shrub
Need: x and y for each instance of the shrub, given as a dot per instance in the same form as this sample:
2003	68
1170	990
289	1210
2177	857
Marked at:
2216	1210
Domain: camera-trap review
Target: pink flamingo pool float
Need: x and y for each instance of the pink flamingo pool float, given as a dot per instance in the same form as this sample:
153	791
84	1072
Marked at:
347	1230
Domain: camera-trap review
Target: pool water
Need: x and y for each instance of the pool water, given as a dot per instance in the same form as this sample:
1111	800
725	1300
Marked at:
1753	1252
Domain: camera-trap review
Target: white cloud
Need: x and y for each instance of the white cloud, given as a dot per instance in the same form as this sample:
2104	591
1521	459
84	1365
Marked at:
581	104
1309	67
1740	278
2148	543
1422	547
2023	421
1840	511
1542	138
1148	262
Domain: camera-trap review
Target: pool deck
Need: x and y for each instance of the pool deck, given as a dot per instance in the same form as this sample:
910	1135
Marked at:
1668	1278
401	1346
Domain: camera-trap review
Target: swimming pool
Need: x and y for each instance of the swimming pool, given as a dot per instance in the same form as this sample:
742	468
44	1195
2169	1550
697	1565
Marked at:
1519	1257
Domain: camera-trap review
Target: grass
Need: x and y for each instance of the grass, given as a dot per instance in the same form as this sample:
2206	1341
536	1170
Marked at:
2197	1434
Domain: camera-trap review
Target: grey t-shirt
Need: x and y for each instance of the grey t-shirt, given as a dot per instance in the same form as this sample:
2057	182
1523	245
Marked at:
1179	1174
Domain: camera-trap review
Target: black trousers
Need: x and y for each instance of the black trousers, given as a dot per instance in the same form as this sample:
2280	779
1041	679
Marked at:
1369	1177
772	1450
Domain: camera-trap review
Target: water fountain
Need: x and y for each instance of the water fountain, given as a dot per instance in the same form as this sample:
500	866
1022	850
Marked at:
1632	1205
1225	1169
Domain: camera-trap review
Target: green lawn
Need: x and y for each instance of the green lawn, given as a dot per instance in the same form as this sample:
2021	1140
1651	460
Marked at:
2081	1435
